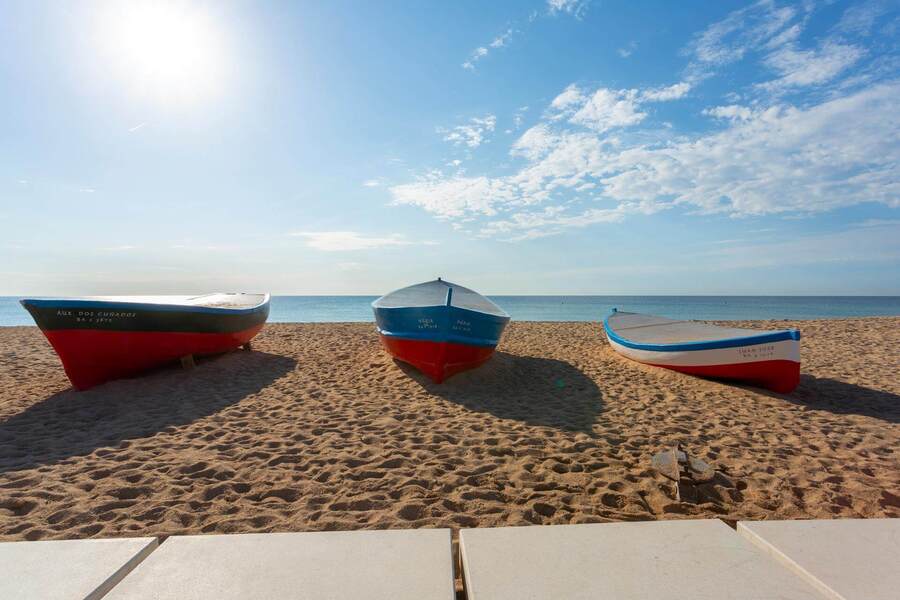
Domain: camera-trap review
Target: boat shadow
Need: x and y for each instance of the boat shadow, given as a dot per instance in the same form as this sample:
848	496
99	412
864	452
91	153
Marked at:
842	398
530	389
71	423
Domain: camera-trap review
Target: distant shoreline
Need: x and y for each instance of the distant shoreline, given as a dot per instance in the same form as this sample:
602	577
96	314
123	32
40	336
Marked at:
578	309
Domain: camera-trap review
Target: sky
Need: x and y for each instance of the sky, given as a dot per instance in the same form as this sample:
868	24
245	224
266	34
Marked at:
542	147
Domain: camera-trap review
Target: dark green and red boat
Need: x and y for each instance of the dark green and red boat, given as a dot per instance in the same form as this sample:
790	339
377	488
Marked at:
109	337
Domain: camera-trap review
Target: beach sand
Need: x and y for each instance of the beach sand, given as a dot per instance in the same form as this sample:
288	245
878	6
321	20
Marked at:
319	429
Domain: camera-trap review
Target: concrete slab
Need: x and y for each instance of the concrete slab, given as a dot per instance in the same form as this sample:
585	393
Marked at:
659	560
848	559
396	564
68	569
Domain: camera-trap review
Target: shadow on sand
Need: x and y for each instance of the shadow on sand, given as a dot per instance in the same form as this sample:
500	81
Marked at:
844	398
537	391
74	423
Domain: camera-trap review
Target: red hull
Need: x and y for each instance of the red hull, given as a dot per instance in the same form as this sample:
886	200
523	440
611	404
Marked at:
92	356
781	376
438	360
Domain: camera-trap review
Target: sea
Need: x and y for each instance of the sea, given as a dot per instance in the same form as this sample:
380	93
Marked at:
318	309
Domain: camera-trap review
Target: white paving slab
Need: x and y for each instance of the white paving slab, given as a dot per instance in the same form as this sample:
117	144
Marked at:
660	560
68	569
849	559
396	564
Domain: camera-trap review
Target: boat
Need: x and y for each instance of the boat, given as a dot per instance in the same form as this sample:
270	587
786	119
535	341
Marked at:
101	338
768	359
439	327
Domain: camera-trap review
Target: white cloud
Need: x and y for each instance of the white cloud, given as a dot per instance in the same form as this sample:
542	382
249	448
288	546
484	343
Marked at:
535	142
732	112
519	117
878	223
455	196
502	40
606	109
664	94
597	155
569	98
576	8
342	241
472	134
87	190
627	50
860	18
122	248
137	127
779	160
482	51
763	24
809	67
372	182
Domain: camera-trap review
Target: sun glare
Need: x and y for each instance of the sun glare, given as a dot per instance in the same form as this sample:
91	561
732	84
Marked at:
171	51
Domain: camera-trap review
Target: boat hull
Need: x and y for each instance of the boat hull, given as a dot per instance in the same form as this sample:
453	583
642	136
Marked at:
438	337
771	365
98	341
91	357
437	360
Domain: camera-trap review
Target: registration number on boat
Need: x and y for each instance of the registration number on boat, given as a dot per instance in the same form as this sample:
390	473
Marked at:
760	351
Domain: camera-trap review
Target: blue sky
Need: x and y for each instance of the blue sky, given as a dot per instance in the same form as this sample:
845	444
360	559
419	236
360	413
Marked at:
520	148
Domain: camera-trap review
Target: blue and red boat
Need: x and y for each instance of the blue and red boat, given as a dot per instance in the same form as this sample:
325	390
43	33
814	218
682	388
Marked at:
439	327
109	337
769	359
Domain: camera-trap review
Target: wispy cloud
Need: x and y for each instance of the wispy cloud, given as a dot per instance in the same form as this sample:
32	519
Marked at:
757	26
734	112
604	109
602	155
780	160
137	127
87	190
372	183
576	8
344	241
482	51
122	248
809	67
471	134
860	18
627	50
878	223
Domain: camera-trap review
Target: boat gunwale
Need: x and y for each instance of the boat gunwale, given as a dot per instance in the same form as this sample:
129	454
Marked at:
142	306
763	337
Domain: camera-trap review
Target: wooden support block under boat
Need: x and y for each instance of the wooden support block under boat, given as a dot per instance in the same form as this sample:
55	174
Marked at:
187	362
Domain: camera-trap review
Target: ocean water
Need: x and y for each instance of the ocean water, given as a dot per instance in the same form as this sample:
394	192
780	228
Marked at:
299	309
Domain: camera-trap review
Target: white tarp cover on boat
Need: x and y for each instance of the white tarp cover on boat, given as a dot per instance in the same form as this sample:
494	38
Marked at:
648	329
434	293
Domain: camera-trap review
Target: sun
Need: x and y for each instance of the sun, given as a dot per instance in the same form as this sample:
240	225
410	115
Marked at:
170	51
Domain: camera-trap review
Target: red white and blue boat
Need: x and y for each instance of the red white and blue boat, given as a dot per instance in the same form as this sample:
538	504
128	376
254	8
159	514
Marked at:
439	327
108	337
768	359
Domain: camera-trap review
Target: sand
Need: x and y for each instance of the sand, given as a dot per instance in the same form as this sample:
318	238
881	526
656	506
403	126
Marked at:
318	429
